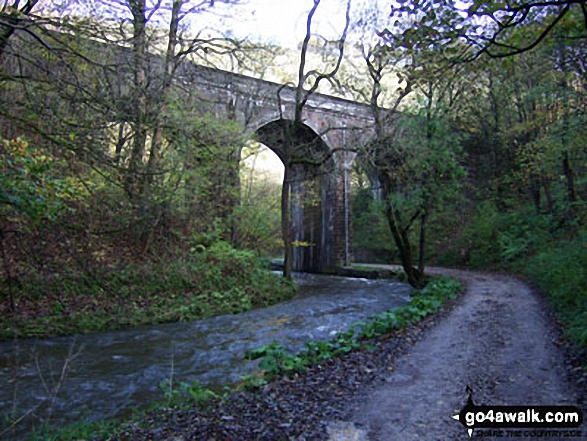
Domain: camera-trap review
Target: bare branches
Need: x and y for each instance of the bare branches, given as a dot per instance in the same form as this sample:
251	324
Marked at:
13	16
493	29
51	390
302	95
302	66
511	50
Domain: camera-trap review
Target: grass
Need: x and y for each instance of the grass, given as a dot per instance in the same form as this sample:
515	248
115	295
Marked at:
76	432
369	268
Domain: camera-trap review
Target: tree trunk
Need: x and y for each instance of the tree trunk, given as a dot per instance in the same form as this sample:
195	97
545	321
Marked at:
421	259
547	195
170	60
138	9
402	242
534	187
119	144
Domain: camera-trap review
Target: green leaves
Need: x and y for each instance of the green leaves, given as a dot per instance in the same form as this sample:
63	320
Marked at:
497	28
275	359
192	392
217	281
559	269
28	185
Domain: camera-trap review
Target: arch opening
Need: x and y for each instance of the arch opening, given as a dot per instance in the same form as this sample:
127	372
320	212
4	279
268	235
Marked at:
259	212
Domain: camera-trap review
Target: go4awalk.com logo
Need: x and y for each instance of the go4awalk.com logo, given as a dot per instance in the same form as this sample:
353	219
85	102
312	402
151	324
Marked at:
521	421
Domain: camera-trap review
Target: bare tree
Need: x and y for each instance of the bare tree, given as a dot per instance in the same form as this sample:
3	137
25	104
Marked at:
291	131
98	82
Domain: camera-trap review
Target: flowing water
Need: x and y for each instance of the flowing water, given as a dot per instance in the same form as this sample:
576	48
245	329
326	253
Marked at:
109	373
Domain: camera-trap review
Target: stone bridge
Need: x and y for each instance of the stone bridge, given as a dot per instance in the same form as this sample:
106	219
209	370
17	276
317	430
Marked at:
321	153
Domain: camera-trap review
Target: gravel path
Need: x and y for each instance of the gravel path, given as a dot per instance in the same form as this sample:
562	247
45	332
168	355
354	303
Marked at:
499	340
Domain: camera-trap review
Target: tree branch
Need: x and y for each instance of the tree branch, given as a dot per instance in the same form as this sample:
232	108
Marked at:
536	42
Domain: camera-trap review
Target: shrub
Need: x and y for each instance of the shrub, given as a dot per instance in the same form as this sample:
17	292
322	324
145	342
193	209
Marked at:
202	283
561	271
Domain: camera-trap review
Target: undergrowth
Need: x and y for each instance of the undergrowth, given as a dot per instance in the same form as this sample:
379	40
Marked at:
561	271
202	283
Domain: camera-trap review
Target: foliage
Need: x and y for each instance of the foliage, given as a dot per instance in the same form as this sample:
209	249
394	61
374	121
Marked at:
560	269
471	28
201	168
29	185
186	392
93	239
370	231
257	219
277	360
205	282
30	192
419	170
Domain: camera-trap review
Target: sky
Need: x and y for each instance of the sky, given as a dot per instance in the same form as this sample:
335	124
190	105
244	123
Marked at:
284	22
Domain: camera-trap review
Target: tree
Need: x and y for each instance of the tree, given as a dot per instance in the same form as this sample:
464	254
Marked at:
472	28
417	167
110	96
542	136
293	131
414	159
117	70
12	17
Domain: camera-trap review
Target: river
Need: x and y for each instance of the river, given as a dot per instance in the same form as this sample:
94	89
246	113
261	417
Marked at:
109	373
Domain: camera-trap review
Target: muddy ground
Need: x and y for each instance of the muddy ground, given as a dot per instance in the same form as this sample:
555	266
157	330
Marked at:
499	338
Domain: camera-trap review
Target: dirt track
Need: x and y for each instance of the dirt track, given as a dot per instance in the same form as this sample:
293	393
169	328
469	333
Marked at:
498	340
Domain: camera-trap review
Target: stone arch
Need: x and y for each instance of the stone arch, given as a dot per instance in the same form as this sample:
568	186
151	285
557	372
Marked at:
313	191
316	125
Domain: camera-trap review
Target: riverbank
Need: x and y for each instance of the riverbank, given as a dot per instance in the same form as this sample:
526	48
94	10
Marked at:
107	374
204	282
